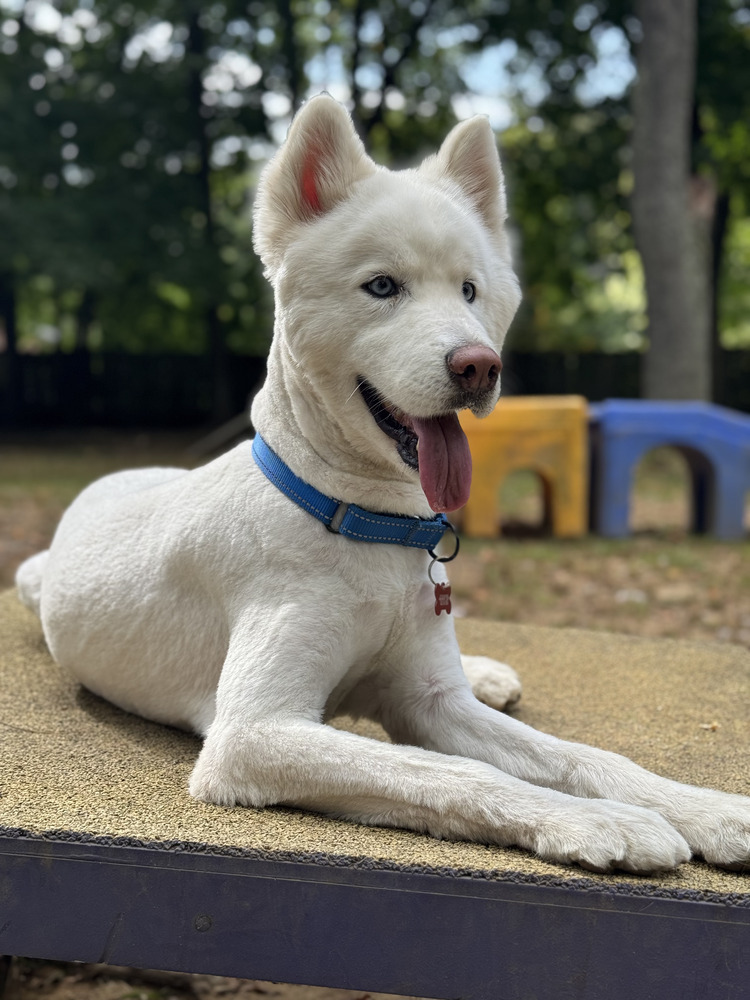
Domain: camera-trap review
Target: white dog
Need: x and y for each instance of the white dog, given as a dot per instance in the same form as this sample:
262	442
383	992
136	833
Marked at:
217	601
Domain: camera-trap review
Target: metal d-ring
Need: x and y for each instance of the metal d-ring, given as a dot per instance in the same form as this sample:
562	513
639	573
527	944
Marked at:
450	558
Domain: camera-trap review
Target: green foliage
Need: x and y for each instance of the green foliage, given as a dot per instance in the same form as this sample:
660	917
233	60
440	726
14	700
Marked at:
132	134
119	171
735	300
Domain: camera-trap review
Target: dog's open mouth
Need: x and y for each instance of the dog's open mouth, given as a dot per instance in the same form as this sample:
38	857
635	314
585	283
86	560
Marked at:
392	422
435	446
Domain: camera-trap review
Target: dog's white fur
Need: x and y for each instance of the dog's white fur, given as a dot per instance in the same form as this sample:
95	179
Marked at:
210	601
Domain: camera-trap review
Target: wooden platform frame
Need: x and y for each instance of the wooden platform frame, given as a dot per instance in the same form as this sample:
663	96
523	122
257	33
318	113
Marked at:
335	922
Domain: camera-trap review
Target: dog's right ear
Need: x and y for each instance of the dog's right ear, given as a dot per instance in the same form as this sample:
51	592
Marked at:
312	172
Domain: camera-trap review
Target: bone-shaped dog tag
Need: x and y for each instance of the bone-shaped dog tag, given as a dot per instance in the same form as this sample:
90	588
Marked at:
442	598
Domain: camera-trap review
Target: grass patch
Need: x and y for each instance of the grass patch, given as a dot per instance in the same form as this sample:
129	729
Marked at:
660	581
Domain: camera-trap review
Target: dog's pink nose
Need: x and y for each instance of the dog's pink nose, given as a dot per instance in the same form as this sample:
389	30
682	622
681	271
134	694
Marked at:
476	368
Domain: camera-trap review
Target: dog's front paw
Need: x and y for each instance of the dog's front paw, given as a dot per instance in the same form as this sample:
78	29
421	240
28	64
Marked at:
494	683
717	826
603	836
211	788
220	781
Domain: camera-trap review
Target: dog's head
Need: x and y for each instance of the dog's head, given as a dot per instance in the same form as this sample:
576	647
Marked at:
394	290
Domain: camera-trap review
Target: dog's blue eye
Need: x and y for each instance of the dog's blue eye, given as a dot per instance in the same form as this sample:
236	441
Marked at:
469	291
382	287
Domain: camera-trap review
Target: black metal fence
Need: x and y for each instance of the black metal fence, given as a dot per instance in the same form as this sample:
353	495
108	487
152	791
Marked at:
613	376
173	391
120	390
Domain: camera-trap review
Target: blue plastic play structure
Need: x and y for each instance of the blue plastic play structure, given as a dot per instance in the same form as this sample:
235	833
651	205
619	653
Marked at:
714	440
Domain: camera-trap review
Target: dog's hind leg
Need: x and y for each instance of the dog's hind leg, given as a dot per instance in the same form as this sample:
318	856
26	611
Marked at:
29	577
494	683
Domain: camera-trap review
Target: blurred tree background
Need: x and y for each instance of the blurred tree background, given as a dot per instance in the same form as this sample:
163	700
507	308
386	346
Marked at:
131	135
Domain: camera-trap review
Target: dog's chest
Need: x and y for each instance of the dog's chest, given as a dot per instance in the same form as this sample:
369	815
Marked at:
382	631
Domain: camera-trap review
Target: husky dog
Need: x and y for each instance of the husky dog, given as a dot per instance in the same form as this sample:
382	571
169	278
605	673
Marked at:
217	601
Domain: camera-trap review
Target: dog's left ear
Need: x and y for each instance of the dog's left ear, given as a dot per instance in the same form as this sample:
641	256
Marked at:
469	157
312	172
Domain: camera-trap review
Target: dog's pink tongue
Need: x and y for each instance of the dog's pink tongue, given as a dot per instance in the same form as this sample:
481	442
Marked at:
444	461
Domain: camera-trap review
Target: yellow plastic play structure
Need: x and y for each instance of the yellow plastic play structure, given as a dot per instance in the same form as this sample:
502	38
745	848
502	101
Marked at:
546	434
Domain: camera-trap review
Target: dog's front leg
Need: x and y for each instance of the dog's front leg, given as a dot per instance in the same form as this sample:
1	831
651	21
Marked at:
295	762
267	746
431	704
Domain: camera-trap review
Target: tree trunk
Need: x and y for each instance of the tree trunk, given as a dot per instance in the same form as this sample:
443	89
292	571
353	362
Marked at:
672	216
221	409
718	241
84	319
356	57
410	44
291	53
8	312
8	317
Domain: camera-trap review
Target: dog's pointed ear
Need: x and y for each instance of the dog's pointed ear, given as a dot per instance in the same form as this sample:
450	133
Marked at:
312	172
469	157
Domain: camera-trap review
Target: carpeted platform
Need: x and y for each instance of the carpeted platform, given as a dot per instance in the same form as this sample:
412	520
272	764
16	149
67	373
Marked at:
74	767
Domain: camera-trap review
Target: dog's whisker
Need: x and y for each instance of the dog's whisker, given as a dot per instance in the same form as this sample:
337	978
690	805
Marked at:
378	376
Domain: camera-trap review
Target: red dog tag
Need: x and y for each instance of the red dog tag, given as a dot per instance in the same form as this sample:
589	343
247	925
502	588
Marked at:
442	598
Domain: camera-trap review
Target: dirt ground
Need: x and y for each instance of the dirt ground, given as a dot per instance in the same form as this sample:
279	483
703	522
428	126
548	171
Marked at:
659	582
29	980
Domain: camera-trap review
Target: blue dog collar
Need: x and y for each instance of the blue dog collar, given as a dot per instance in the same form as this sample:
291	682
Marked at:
347	518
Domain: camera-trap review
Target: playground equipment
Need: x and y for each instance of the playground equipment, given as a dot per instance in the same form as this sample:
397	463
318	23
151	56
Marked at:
715	442
547	434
